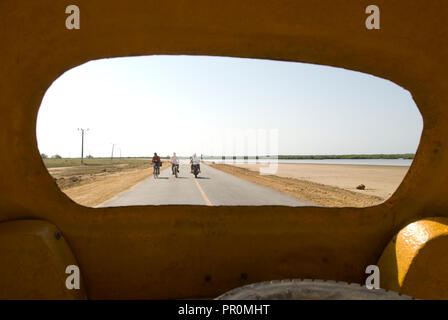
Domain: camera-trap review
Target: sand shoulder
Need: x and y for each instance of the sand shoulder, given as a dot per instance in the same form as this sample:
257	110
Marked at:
380	181
324	184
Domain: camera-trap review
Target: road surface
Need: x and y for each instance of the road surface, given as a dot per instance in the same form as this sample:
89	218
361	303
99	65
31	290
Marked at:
212	188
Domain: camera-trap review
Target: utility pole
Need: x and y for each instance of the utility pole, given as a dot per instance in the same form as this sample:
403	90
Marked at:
112	155
82	143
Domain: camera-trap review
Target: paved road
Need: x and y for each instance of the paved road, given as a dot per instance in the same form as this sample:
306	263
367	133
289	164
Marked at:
213	187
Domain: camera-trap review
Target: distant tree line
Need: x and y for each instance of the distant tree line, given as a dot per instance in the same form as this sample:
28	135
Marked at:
45	156
351	156
284	157
321	157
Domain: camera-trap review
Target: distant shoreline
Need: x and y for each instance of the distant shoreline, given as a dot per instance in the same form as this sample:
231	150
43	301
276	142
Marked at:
405	156
408	156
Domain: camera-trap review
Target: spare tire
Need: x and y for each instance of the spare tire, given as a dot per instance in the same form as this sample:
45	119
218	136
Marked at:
309	290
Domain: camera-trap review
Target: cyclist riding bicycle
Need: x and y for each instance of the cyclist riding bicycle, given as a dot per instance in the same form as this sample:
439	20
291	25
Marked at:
174	164
195	161
157	163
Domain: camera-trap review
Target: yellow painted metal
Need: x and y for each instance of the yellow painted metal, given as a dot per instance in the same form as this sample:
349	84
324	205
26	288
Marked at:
415	262
203	251
34	256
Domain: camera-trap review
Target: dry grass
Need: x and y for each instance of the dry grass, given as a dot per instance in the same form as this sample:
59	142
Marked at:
93	185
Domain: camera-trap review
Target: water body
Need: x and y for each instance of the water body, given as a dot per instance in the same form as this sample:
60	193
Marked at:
367	162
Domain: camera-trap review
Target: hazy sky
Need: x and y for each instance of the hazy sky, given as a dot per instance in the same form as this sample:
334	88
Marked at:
216	105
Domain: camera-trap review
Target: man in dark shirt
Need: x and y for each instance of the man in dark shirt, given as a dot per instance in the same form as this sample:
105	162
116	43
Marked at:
156	163
156	159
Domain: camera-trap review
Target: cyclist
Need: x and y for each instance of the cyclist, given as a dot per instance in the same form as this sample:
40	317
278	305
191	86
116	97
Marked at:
174	163
195	160
156	162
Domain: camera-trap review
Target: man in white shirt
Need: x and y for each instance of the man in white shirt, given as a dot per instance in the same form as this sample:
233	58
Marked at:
195	160
174	163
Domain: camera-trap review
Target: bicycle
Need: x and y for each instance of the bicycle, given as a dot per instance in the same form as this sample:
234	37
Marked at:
175	169
156	170
196	170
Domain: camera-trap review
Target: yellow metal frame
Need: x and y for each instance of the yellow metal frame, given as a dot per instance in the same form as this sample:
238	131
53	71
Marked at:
34	258
200	251
415	261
